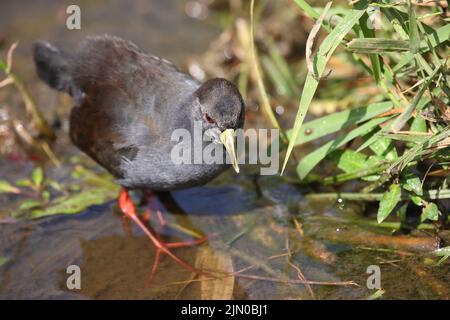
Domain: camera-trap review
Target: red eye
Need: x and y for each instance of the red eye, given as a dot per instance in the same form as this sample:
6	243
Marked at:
209	119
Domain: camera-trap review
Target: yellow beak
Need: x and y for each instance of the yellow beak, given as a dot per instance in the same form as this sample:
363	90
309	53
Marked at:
227	139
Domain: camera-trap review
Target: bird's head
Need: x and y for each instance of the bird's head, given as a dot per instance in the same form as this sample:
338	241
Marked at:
221	108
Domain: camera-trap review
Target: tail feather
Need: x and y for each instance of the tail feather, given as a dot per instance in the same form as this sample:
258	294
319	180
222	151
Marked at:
53	67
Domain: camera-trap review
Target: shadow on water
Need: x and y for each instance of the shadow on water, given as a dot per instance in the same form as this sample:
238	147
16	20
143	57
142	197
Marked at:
257	221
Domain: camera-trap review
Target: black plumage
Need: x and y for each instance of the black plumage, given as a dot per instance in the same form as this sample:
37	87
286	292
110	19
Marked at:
127	104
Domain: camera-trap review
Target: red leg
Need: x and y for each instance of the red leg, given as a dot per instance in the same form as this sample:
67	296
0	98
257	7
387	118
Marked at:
147	215
147	198
128	208
126	225
162	220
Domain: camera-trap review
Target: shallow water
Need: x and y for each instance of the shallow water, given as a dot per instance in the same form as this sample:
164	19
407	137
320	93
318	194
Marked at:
252	220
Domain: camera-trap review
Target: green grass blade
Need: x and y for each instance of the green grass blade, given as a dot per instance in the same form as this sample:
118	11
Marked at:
6	187
349	160
307	9
76	203
277	79
414	40
323	55
388	202
262	90
283	67
313	158
355	196
377	45
406	137
422	102
401	120
442	252
328	124
418	124
367	171
419	149
376	295
435	38
374	58
383	147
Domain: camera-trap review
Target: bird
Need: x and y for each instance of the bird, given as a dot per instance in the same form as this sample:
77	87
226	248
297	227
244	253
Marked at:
126	105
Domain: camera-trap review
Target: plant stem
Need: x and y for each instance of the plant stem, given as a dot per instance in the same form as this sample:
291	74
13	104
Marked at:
428	195
30	106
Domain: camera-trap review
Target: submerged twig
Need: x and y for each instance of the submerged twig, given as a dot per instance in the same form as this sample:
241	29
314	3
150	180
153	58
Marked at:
304	282
297	268
272	279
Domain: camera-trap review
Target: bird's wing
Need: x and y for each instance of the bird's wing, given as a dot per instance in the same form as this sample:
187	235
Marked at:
127	97
113	61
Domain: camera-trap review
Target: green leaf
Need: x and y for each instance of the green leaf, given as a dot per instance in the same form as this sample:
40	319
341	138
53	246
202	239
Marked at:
6	187
3	260
54	184
46	195
442	252
29	204
324	53
349	160
23	183
37	176
430	212
384	147
331	123
418	201
373	161
376	295
313	158
75	187
352	162
370	138
418	124
388	202
76	203
412	183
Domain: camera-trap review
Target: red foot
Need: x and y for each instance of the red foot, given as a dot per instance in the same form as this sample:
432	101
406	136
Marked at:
128	208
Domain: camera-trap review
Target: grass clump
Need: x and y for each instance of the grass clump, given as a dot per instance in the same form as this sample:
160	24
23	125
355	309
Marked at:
398	144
